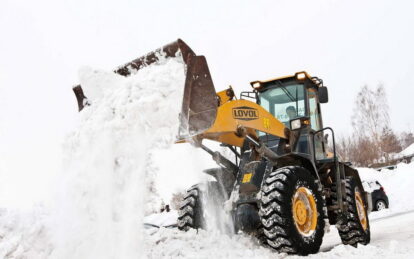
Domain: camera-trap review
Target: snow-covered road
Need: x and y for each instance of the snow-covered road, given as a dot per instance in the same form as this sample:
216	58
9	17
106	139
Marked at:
385	232
26	235
399	228
391	237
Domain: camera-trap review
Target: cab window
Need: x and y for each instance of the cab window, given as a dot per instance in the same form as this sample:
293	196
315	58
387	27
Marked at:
284	102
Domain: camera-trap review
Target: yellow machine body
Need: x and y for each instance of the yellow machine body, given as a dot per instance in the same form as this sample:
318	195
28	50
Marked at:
242	113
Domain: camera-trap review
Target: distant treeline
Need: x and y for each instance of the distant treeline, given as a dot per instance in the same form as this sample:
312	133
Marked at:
372	141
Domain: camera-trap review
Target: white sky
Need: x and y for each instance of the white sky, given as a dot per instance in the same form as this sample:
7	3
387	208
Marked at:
44	43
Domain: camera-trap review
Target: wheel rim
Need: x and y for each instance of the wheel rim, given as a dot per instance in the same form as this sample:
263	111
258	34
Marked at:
304	211
361	210
381	205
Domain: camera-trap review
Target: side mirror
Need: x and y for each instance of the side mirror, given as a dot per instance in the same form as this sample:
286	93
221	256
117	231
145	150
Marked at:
323	94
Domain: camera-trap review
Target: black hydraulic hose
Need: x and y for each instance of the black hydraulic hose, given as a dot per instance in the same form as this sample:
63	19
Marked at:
262	149
221	160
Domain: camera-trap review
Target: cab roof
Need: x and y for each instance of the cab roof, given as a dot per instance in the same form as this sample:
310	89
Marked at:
302	75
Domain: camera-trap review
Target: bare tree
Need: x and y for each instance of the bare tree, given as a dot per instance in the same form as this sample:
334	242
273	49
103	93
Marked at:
372	138
365	152
389	143
370	120
371	112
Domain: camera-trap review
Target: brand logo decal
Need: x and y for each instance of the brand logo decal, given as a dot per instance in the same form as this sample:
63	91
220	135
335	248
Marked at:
245	113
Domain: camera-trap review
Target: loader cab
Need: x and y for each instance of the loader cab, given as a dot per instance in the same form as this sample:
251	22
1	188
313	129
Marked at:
294	101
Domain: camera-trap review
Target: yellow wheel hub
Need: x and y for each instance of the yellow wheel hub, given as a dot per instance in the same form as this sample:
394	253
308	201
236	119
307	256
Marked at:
300	212
305	214
361	210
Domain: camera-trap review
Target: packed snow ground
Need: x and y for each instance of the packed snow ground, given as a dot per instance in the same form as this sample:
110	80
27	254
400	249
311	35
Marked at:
122	153
25	235
391	237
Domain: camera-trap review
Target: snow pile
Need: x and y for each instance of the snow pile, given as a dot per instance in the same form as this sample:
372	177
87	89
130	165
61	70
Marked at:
407	152
397	183
23	234
108	163
172	243
113	165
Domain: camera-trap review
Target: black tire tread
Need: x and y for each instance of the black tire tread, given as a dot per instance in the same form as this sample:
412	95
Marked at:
275	211
349	227
189	212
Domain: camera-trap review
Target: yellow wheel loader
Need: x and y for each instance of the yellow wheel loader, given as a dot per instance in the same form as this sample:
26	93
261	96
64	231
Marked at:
283	186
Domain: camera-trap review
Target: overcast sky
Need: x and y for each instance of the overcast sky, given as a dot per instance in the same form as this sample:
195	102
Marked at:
44	43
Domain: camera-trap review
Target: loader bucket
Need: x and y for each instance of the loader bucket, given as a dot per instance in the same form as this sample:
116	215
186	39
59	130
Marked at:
199	105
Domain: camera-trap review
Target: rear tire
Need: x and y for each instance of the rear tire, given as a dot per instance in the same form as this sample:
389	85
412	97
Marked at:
380	205
353	225
203	200
291	211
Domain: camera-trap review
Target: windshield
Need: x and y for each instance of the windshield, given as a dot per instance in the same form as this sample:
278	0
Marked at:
284	102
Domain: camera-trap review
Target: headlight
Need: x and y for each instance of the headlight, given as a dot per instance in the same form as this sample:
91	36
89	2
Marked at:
295	124
301	76
256	85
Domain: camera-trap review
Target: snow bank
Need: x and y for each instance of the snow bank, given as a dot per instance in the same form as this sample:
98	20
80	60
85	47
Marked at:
397	183
407	152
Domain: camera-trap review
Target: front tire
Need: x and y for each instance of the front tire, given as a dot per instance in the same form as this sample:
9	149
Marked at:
291	211
201	201
190	214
